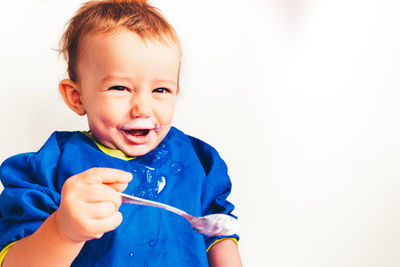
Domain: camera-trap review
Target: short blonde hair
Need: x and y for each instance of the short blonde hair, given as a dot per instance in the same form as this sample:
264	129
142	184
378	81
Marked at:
107	16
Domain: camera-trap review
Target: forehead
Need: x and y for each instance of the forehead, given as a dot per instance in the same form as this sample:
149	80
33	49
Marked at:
124	50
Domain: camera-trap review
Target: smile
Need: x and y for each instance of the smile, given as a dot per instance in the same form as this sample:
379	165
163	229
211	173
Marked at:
138	136
139	131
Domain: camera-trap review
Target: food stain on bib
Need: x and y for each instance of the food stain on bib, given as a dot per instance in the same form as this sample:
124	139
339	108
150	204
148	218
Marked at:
176	167
152	182
150	175
161	184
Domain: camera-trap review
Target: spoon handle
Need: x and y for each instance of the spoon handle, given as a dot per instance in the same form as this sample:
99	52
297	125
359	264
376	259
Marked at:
140	201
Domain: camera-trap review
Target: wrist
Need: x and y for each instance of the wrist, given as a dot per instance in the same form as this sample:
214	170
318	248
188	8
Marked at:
55	220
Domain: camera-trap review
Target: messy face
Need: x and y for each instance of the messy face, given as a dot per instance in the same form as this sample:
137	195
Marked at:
128	88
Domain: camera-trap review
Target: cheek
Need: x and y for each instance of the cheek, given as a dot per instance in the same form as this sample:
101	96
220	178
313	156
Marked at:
166	112
108	111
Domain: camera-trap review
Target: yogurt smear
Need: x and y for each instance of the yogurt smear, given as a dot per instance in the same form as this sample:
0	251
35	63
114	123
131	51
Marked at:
215	224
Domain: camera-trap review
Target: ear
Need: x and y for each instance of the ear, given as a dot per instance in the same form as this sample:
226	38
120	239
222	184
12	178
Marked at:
72	96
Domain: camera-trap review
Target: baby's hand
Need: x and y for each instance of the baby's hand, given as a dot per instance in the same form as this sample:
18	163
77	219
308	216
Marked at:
90	202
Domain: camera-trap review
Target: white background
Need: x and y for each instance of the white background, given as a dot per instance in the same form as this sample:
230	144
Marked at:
301	98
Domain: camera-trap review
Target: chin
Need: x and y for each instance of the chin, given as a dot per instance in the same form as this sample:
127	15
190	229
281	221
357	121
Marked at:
138	151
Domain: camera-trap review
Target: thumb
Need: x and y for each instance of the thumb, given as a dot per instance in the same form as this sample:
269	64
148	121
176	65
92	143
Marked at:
119	187
107	176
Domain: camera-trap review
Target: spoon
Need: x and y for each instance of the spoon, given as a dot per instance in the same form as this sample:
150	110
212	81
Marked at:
211	225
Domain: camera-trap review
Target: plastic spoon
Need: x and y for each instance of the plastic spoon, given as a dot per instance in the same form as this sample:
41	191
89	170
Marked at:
211	225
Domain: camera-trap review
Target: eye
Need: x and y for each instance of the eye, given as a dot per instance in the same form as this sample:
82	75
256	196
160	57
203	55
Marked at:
119	88
161	90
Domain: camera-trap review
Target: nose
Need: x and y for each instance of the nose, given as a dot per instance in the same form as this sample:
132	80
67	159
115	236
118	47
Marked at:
141	106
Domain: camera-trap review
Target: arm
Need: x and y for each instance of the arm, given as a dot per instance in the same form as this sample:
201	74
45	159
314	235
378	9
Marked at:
89	208
224	254
43	248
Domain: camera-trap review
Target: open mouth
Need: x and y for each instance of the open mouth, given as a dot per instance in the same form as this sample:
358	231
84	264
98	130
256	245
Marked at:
138	132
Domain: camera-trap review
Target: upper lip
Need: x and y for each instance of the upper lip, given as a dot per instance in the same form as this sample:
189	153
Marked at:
138	124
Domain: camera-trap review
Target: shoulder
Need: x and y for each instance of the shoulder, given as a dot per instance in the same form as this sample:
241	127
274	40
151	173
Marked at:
44	159
62	138
197	144
54	145
206	153
55	141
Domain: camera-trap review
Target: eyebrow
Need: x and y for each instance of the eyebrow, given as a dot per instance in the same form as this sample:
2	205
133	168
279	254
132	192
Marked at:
172	82
114	77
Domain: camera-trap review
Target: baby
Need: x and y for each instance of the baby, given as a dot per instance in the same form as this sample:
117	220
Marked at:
61	205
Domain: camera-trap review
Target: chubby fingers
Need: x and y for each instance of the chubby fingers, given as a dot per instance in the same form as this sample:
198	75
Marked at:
107	224
90	202
107	176
101	193
106	182
97	185
95	228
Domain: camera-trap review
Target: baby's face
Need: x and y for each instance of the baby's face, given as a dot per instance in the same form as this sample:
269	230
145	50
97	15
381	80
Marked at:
128	89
